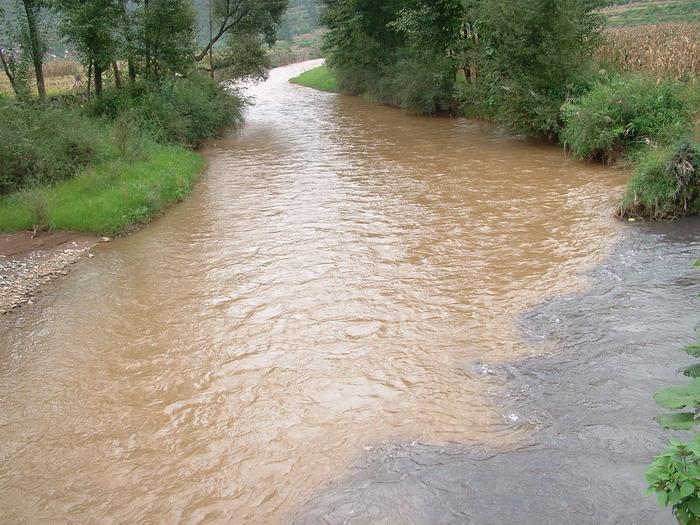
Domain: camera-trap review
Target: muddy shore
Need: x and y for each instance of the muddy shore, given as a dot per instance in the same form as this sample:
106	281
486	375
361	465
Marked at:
27	263
591	403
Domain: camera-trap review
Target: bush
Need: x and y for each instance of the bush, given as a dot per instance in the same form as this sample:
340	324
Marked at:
43	145
621	116
675	477
666	186
181	110
421	87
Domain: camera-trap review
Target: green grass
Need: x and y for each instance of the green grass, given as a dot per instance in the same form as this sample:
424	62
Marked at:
109	198
645	12
319	78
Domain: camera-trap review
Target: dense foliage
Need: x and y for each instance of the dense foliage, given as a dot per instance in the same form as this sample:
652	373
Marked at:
40	145
666	185
518	61
625	114
177	110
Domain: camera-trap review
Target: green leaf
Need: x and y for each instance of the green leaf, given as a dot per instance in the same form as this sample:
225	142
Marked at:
693	349
680	396
694	506
692	370
681	421
674	497
687	489
663	498
697	264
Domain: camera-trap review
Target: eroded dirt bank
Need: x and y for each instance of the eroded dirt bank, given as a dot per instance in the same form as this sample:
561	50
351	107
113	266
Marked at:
27	263
592	400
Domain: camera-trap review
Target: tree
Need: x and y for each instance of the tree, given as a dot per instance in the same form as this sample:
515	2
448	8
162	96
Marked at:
93	27
166	34
246	21
531	53
36	44
23	30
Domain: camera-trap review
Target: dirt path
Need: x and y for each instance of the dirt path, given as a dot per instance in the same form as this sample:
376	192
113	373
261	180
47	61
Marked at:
27	263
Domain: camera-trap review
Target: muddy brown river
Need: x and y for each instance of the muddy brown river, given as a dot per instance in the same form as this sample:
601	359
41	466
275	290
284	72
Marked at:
350	287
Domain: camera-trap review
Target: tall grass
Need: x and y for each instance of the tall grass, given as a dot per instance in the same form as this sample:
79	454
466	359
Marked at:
43	145
622	115
666	184
109	198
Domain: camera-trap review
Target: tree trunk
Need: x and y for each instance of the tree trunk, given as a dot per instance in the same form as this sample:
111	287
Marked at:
89	79
31	10
117	75
98	79
132	71
211	48
6	68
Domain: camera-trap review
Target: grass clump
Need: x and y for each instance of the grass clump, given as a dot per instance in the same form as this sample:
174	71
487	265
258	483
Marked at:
109	198
666	185
622	116
320	78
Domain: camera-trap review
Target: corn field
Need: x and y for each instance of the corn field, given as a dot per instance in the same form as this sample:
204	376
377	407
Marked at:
664	50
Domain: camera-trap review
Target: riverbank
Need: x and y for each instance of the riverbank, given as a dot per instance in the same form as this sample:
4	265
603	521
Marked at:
111	198
57	225
319	78
27	263
104	168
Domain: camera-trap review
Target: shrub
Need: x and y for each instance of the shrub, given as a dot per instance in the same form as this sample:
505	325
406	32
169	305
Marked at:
675	477
43	145
666	186
180	110
421	87
623	115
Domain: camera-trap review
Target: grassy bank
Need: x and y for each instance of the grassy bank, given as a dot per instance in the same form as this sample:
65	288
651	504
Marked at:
112	164
319	78
108	199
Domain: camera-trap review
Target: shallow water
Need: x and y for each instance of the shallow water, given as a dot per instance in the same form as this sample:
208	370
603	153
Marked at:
336	283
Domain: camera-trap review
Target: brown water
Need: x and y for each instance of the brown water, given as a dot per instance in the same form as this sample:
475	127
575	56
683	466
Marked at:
331	285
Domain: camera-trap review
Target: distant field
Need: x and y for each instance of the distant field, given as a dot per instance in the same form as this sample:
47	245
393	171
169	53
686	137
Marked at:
662	50
646	12
61	77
